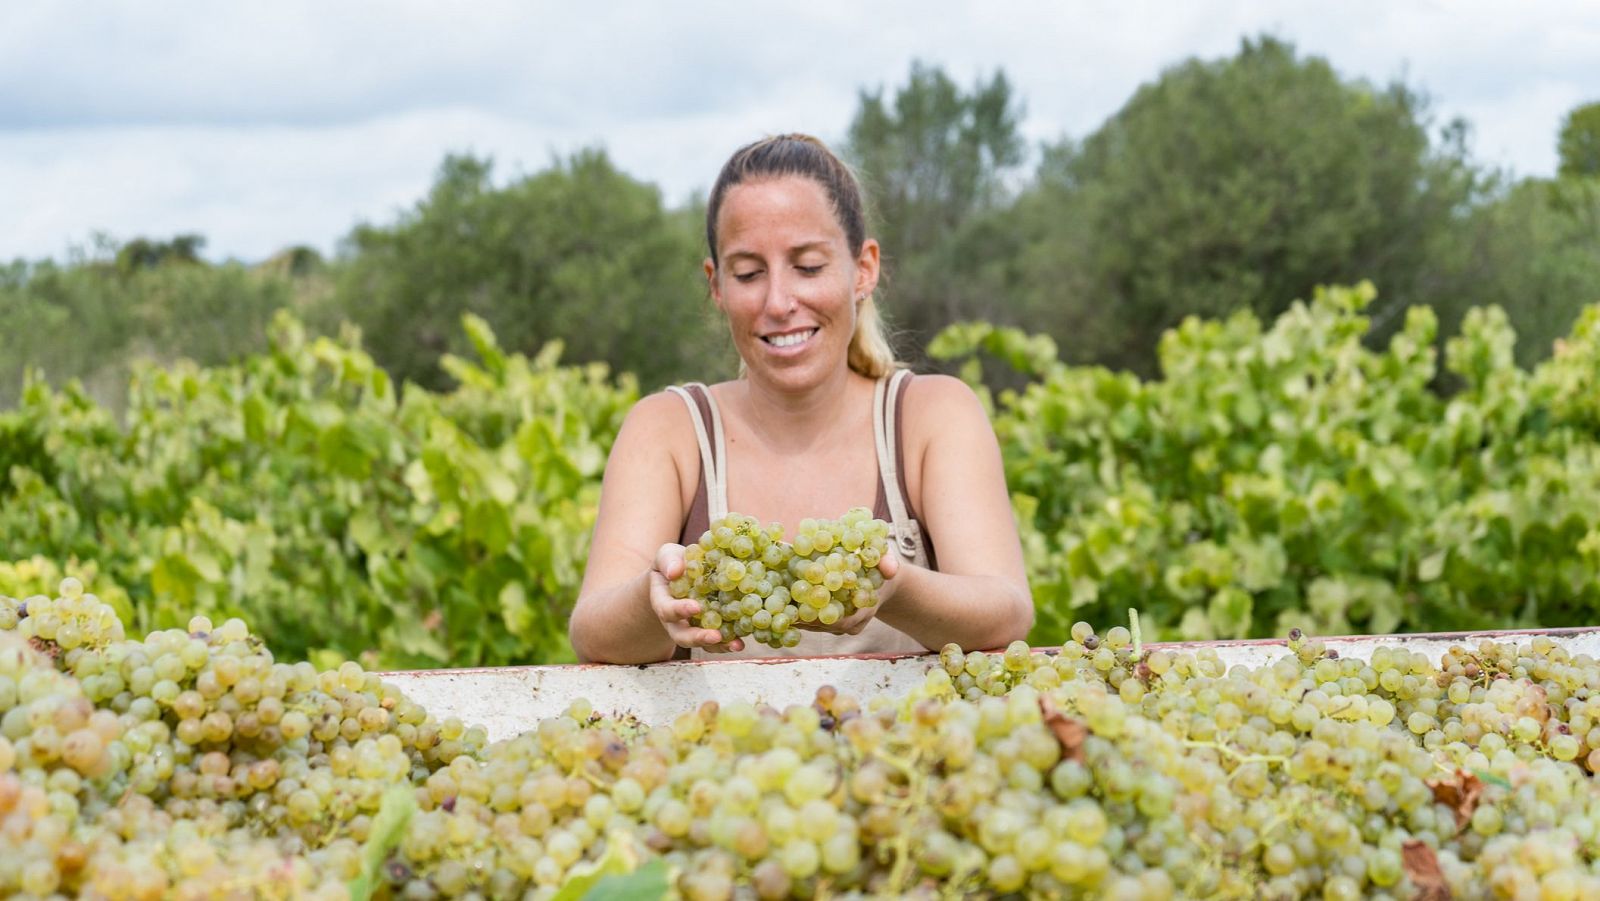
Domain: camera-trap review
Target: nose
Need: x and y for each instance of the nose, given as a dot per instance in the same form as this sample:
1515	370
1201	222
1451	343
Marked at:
780	299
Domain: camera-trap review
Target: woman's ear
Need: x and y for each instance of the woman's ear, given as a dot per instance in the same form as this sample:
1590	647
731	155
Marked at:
711	282
867	266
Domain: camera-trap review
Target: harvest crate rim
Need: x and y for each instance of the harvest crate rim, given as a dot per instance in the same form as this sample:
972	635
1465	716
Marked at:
509	700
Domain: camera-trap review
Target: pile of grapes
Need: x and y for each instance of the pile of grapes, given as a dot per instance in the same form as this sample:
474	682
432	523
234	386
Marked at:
191	764
753	584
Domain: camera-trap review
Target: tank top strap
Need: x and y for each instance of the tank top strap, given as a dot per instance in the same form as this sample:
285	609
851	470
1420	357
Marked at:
904	529
707	421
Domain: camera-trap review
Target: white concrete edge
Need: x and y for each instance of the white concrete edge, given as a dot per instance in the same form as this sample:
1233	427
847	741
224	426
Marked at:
507	701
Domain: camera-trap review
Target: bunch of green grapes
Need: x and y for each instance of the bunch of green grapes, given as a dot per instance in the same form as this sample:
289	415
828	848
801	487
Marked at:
189	763
753	584
74	619
735	572
1315	776
835	565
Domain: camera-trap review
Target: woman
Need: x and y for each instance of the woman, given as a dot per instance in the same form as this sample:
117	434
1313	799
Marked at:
810	429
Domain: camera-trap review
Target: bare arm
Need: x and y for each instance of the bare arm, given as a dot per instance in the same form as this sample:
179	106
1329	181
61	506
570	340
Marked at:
979	597
624	613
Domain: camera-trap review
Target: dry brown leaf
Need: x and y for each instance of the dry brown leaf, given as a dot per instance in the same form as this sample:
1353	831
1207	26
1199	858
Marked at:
1069	730
1422	866
1459	791
48	648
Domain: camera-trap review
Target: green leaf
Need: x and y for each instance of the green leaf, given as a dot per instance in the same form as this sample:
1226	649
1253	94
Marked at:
418	480
1431	567
1229	612
1492	779
395	810
619	860
366	529
1196	626
484	343
1260	564
500	486
205	566
514	609
489	524
173	577
1385	609
648	883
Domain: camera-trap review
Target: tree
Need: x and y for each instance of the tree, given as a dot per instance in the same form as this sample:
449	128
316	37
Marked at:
1243	182
934	161
578	252
1579	144
145	253
89	320
1532	248
296	261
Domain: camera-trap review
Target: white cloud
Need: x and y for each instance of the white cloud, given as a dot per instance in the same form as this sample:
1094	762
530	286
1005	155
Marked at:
265	124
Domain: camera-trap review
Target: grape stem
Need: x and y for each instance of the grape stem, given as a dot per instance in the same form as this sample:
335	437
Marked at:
1133	627
1237	756
916	799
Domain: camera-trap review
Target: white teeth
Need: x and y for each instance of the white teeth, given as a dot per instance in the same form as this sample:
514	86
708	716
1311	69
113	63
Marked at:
791	339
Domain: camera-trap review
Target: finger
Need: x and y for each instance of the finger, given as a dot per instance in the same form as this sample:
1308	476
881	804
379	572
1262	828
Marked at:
673	610
707	638
852	625
715	644
735	645
694	636
888	565
667	608
676	611
669	560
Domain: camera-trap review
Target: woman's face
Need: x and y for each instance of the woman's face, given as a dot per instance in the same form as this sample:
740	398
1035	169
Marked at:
787	281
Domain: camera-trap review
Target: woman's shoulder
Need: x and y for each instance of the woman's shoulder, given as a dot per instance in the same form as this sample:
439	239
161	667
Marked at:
935	396
658	436
938	408
662	415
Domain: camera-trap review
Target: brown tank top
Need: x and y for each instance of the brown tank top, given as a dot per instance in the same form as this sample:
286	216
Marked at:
699	518
877	637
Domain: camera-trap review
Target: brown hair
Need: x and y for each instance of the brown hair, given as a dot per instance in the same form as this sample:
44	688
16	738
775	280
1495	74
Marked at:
805	156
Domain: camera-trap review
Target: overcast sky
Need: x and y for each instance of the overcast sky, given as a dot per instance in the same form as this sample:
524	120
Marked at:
266	124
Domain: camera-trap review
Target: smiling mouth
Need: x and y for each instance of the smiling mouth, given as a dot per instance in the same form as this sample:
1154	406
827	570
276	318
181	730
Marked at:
789	339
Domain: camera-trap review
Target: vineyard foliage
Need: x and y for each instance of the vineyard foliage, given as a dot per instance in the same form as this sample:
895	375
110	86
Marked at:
1273	477
1290	476
302	492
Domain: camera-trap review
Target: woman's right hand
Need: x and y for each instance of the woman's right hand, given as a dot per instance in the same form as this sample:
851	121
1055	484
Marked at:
675	613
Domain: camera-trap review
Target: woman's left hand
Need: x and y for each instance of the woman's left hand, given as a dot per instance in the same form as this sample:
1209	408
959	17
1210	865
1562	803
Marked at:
851	624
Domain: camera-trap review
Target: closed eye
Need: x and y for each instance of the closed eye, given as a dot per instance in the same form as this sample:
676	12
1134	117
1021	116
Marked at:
811	270
746	277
